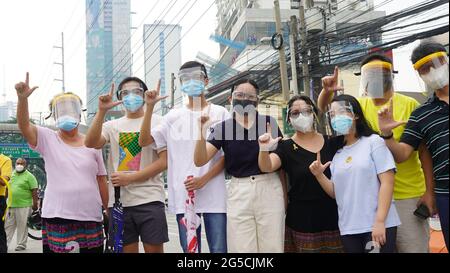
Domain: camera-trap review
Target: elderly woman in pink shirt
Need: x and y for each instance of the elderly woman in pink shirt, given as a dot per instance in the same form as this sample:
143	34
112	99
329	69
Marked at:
76	176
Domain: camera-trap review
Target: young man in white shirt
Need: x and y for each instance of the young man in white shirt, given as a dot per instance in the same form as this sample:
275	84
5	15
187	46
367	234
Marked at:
178	133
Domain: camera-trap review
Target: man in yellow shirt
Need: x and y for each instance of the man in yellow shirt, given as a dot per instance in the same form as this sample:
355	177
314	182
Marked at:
5	173
414	178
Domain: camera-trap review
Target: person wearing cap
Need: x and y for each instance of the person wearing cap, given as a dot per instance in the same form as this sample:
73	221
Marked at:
413	179
178	133
5	176
72	219
134	170
24	188
428	124
362	181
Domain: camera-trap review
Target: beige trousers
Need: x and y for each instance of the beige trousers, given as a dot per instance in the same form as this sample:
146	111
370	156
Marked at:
17	220
256	215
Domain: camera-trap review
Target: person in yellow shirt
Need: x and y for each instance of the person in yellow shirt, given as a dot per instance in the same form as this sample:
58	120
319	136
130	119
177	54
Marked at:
414	178
5	174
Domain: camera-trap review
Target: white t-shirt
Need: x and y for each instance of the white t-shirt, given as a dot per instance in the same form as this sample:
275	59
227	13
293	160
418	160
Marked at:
179	133
127	156
355	171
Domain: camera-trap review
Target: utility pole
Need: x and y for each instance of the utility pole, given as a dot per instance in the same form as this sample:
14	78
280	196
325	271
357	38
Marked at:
62	63
304	52
283	65
293	45
173	88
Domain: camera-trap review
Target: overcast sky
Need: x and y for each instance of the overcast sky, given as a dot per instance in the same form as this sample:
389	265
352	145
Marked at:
30	28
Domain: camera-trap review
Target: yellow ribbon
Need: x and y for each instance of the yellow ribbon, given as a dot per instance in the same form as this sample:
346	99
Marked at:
428	58
8	205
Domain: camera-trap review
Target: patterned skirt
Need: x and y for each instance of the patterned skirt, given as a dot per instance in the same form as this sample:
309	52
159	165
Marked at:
69	236
321	242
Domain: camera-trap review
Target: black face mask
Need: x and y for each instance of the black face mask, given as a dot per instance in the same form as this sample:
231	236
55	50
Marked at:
244	107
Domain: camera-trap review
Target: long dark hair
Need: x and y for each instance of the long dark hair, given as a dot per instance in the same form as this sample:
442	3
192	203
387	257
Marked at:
363	129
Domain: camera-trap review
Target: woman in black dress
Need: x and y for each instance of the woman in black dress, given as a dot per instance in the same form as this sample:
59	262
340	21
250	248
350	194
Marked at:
312	216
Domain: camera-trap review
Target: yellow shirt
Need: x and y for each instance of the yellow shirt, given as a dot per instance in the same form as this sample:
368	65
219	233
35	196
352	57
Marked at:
5	171
409	180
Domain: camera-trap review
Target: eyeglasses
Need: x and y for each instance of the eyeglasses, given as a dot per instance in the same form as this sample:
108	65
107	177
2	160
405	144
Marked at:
198	76
340	111
137	91
244	96
296	113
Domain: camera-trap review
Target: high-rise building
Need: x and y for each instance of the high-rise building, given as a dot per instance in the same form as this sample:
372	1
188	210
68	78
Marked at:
108	60
162	58
8	111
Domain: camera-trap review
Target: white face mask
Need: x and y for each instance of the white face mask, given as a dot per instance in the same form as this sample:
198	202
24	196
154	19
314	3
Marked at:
20	168
437	78
303	123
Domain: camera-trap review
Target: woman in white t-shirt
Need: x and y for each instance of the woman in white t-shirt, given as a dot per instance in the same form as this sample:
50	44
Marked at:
362	181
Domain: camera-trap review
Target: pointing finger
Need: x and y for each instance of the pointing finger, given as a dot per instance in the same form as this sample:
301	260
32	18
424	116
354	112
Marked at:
27	79
111	92
158	86
269	129
319	159
336	73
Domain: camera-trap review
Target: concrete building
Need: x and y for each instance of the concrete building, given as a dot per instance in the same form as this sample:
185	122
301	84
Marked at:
7	111
108	58
162	58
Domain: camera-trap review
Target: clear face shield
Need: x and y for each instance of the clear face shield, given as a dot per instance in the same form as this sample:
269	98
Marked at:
192	81
340	118
377	78
245	101
301	118
67	112
433	71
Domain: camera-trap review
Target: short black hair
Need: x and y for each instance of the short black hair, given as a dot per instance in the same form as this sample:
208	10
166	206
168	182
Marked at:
193	64
426	49
376	56
131	79
363	128
245	80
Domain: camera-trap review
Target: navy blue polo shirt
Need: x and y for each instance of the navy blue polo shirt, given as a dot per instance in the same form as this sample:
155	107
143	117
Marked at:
429	123
240	145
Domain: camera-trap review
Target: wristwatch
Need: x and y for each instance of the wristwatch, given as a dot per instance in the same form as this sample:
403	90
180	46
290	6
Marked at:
387	137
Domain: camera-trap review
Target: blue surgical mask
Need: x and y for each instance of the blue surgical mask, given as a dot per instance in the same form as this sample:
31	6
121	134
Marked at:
193	88
342	124
67	123
133	103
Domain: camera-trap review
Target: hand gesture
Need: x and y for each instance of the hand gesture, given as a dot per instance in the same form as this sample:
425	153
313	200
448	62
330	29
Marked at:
317	168
153	97
386	120
266	142
23	88
106	102
330	83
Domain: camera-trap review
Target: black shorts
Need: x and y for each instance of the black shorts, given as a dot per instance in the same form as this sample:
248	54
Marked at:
147	222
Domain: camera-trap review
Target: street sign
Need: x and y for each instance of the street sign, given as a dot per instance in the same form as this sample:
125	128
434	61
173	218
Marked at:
18	150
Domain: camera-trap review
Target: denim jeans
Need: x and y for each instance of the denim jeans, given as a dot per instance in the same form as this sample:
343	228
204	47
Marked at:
442	206
216	232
